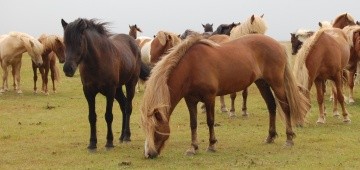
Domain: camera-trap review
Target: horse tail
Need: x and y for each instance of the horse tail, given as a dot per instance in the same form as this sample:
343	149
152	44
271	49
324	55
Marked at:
299	104
144	71
56	73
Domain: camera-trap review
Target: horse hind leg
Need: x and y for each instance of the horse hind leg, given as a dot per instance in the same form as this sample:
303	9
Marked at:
192	107
267	95
121	99
320	99
244	108
340	97
351	84
16	74
35	77
232	109
223	106
109	118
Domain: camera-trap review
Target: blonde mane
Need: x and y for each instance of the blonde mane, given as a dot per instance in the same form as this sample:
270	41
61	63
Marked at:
349	17
50	41
248	27
157	96
31	44
349	31
162	36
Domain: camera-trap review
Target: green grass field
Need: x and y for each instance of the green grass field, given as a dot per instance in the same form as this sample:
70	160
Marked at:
52	132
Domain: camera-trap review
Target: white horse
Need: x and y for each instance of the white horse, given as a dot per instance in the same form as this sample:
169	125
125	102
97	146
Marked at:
12	46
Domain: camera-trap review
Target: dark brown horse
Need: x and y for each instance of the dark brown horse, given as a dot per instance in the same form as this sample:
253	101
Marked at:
208	27
133	30
106	63
298	38
225	28
53	48
198	71
323	56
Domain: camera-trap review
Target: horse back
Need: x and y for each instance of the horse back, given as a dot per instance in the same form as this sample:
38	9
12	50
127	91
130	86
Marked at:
129	56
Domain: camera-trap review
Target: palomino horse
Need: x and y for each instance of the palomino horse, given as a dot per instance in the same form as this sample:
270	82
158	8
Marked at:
12	46
198	70
106	62
133	30
208	27
253	25
53	48
323	56
343	20
161	44
225	28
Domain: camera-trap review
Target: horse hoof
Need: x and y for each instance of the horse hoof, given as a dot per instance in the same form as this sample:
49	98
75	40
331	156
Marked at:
190	152
125	140
19	92
2	90
347	120
321	121
224	110
245	114
211	149
289	143
232	114
91	147
269	140
109	146
336	114
351	101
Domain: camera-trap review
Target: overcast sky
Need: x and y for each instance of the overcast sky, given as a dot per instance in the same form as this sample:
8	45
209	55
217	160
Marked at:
282	16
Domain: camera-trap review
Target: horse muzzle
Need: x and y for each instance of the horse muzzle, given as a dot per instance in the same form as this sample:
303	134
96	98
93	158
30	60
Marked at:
69	70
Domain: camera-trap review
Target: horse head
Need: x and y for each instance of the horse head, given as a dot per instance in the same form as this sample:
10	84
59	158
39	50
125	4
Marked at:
298	38
343	20
75	44
133	30
60	49
208	27
161	43
157	130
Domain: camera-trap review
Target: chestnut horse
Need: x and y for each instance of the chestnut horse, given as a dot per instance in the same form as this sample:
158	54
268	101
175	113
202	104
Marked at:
161	44
343	20
12	46
253	25
53	48
323	56
106	62
198	70
133	30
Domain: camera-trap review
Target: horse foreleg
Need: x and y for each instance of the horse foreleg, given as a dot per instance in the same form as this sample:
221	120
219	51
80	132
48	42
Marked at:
16	74
267	95
192	107
120	97
335	102
53	72
320	100
130	92
244	108
109	117
45	78
210	105
90	98
4	78
35	77
340	97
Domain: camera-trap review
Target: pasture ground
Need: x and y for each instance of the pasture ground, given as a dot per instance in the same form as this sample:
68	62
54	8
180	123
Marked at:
52	132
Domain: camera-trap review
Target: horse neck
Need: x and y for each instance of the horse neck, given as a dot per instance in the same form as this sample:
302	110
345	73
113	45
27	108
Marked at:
133	33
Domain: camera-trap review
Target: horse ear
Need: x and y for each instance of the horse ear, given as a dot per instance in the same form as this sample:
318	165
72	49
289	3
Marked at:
64	23
357	22
162	37
262	16
203	25
320	24
252	19
212	24
292	34
130	26
31	43
82	25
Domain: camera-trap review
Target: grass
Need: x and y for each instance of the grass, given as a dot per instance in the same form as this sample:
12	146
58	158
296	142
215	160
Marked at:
52	132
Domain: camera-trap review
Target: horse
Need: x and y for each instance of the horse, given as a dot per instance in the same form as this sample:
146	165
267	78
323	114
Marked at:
343	20
53	48
161	44
225	28
198	70
253	25
323	56
353	33
297	39
208	27
189	32
12	46
133	30
106	63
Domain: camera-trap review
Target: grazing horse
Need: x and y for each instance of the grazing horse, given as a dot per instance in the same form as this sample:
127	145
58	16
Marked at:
343	20
53	48
253	25
106	62
198	70
208	27
12	46
323	56
225	28
161	44
133	30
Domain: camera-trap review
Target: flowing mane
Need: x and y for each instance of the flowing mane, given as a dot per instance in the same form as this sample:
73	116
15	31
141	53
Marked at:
254	24
349	31
49	41
349	17
157	83
31	44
